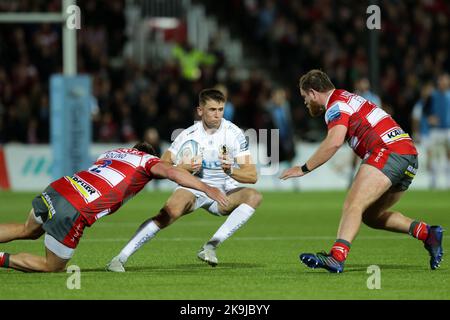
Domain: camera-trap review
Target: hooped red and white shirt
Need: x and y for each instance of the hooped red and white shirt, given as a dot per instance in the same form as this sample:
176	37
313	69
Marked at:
370	128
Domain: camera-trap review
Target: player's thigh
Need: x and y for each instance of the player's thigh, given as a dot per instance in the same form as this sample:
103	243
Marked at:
368	186
55	263
32	226
181	202
238	196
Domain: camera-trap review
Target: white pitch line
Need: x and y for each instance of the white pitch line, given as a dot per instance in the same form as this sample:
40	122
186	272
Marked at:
248	238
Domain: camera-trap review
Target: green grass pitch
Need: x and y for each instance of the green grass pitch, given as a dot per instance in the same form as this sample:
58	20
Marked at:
260	261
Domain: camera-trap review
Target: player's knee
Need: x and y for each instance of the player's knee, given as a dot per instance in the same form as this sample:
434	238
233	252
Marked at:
377	220
369	221
352	207
254	198
35	235
173	210
28	234
24	232
162	219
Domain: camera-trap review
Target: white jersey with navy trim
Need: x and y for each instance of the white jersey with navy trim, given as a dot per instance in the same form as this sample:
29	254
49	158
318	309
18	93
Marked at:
210	146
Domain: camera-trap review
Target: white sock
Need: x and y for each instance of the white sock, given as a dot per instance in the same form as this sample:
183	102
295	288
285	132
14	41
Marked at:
145	233
235	220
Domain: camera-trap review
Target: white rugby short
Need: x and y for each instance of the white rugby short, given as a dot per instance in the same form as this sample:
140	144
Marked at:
203	201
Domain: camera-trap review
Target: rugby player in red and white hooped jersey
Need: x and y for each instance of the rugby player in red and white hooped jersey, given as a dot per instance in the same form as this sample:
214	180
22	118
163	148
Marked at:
71	203
389	165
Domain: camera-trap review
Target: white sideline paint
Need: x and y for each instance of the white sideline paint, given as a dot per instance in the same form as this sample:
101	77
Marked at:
29	169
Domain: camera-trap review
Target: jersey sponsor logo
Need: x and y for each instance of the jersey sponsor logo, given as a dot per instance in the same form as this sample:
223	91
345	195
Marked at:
411	171
78	231
49	203
393	135
224	149
243	144
211	164
333	114
379	155
191	132
85	189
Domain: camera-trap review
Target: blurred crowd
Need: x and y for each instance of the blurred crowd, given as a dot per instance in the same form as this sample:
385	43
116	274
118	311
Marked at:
293	37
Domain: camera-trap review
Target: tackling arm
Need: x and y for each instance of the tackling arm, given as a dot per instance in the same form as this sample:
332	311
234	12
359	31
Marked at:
163	170
331	144
194	166
327	149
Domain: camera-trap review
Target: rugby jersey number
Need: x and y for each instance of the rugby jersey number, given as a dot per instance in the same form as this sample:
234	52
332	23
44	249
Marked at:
112	176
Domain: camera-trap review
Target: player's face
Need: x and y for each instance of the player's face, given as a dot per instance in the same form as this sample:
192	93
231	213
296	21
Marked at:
211	113
310	97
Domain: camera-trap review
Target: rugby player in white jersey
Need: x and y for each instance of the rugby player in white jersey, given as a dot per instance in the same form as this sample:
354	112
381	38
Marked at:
223	160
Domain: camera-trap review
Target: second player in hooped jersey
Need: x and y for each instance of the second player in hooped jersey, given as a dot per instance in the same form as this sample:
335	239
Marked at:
390	163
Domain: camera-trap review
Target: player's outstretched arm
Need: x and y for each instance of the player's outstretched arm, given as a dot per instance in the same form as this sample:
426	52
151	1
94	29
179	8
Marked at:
327	149
246	173
180	176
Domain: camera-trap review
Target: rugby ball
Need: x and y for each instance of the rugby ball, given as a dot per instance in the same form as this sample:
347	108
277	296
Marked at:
187	151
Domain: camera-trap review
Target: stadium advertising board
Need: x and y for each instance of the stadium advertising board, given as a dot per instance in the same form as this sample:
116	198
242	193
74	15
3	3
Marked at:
29	168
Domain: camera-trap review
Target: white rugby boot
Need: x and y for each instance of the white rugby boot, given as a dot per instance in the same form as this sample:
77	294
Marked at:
115	265
208	255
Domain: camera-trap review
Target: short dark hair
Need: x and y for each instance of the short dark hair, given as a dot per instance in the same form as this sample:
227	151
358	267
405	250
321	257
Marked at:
210	94
317	80
145	147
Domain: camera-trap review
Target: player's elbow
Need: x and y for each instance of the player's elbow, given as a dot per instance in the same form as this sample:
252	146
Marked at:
335	143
